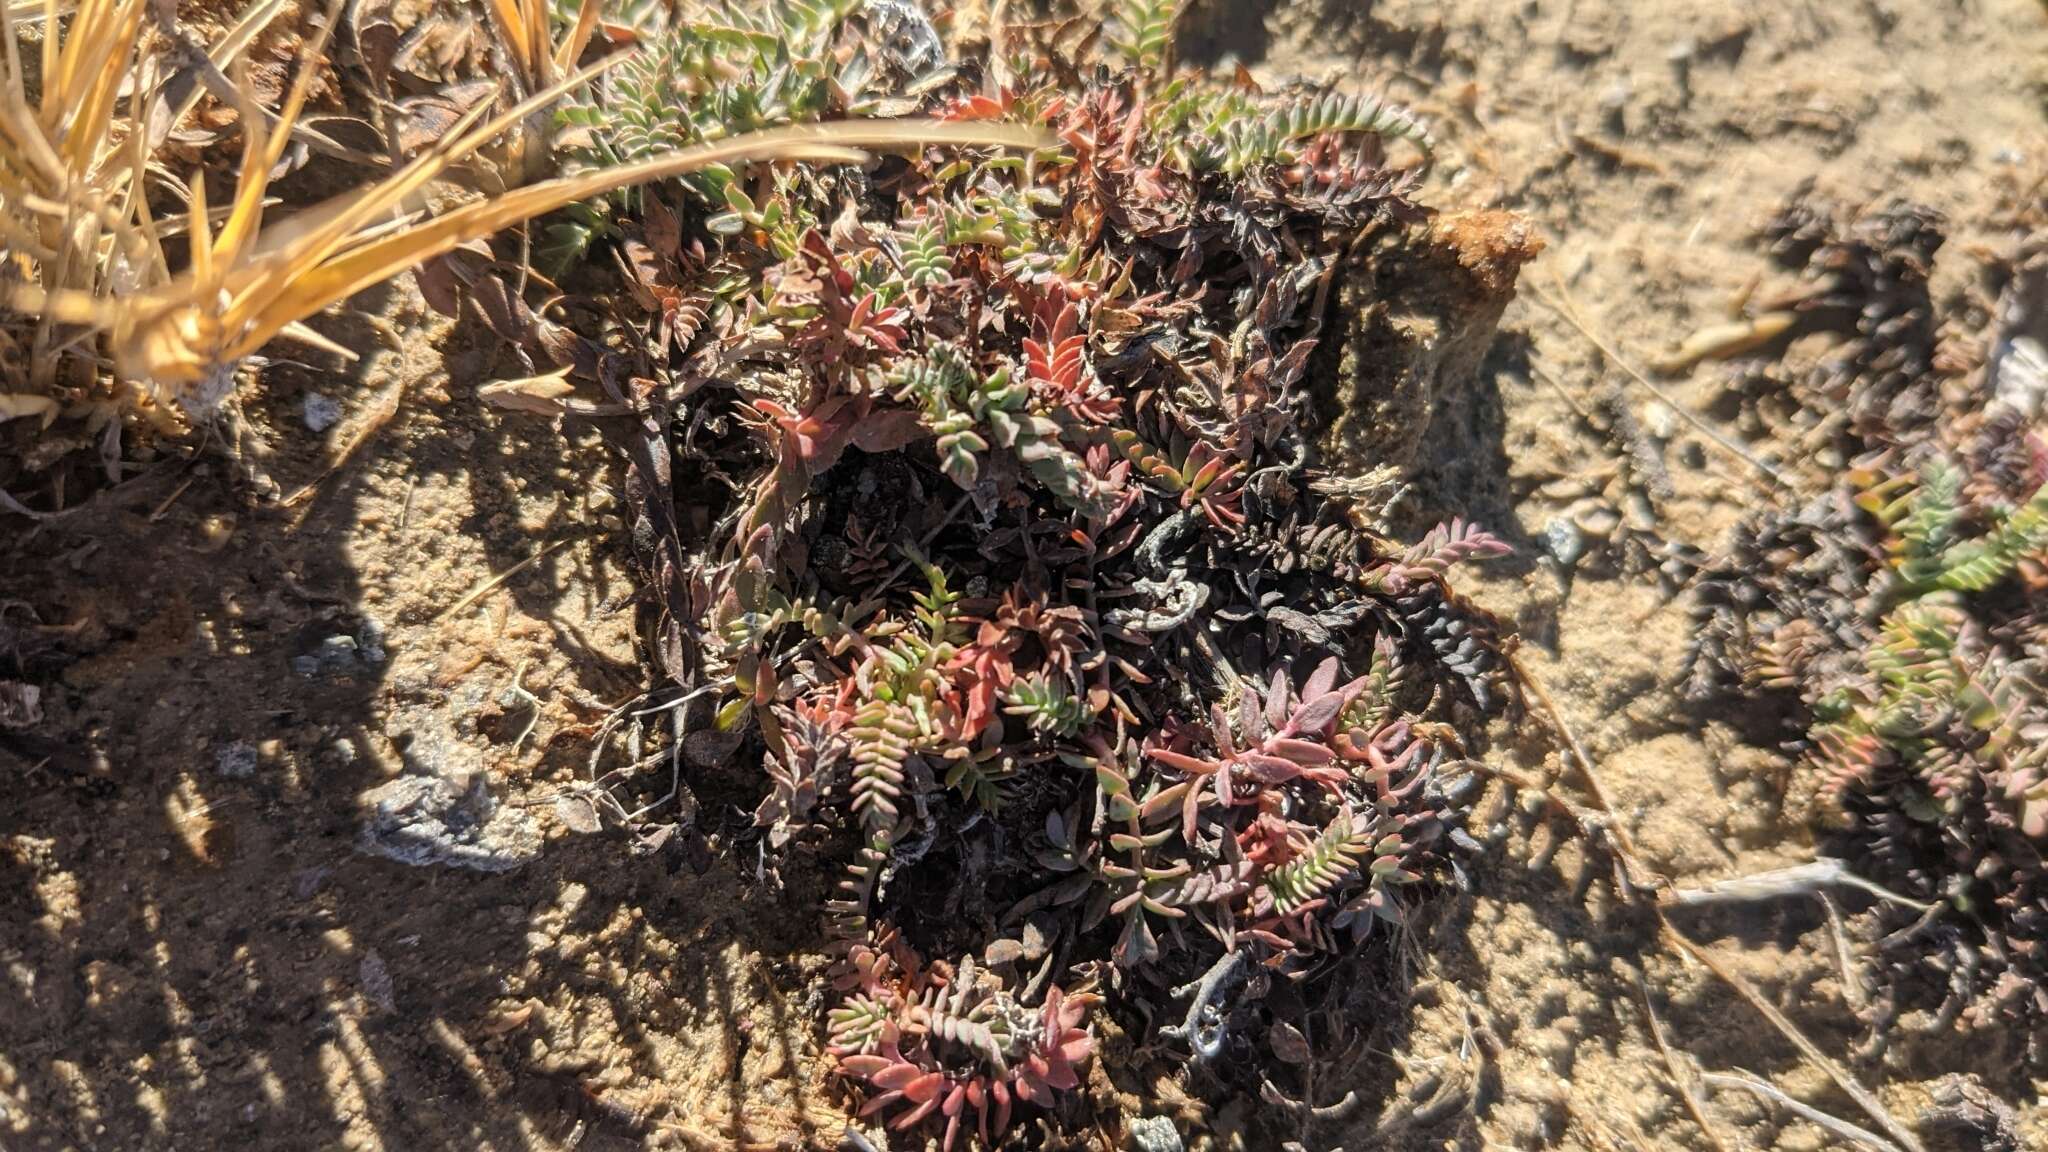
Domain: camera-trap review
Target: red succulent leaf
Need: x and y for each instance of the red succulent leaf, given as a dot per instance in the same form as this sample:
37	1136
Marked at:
1299	751
1077	1046
1163	800
864	1066
975	107
888	430
1269	768
1182	762
1321	680
1031	1084
897	1076
1136	945
909	1119
1276	699
1317	714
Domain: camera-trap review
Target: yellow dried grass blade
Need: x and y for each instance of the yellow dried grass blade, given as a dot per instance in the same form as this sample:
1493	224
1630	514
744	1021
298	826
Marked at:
62	307
230	48
97	57
33	11
15	93
84	34
202	235
247	217
464	138
92	40
254	287
23	242
372	263
172	358
50	41
512	29
146	243
305	335
26	140
302	86
27	147
579	36
537	61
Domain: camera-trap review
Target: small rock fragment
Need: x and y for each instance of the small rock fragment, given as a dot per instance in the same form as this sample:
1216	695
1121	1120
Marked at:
1564	540
236	761
1154	1134
376	980
319	411
344	654
21	705
423	820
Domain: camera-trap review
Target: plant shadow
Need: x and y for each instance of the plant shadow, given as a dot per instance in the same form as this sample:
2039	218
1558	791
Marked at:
194	949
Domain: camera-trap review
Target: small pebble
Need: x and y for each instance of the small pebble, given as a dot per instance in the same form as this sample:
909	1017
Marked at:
1154	1134
1596	520
1637	513
1564	540
343	654
236	761
215	531
319	411
336	653
376	979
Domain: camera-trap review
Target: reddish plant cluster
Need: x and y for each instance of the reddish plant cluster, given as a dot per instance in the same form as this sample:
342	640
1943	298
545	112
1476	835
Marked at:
996	597
927	1039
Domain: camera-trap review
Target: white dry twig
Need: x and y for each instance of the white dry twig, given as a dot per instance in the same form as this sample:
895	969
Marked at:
1862	1137
1800	880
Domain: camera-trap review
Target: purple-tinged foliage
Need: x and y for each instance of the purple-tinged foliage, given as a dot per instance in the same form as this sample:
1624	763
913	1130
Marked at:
969	486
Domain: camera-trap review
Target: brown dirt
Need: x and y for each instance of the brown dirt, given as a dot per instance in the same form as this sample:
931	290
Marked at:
194	953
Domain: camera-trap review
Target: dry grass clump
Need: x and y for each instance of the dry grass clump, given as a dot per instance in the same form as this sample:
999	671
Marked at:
110	326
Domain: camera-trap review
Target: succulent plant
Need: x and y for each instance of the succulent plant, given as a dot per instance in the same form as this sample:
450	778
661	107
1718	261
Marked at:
971	485
1903	609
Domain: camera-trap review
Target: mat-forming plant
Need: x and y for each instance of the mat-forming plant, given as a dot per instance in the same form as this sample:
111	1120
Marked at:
1904	607
979	497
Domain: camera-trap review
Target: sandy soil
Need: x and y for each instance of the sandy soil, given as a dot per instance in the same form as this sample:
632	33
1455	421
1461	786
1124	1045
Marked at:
195	951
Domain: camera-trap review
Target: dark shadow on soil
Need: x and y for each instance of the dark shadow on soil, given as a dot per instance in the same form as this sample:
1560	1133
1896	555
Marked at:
193	952
1461	467
1221	32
